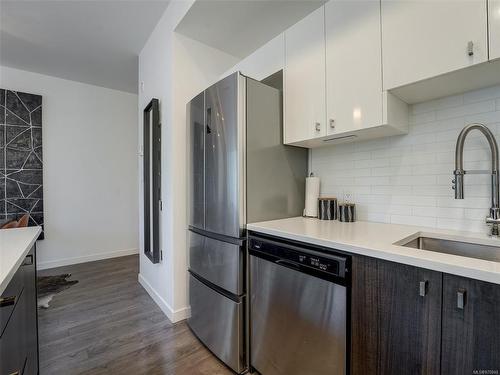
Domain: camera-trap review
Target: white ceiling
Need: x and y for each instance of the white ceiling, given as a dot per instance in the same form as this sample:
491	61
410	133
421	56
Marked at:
239	27
95	42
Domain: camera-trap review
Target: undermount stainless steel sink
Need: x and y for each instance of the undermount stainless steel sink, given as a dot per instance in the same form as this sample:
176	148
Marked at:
465	249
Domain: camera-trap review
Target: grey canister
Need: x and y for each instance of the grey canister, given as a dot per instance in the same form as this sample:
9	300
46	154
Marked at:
347	212
327	208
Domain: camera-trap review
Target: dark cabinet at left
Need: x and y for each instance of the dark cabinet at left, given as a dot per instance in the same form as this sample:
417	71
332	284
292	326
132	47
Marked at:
18	321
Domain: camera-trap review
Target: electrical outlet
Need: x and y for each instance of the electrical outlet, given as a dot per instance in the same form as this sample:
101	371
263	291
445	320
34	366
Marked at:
348	197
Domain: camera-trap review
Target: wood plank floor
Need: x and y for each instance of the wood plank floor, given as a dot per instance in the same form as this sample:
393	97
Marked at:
108	324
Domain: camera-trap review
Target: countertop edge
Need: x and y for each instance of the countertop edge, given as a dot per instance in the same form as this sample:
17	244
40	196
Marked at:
6	280
434	265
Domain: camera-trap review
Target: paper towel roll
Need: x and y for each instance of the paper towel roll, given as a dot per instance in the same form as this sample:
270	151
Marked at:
312	195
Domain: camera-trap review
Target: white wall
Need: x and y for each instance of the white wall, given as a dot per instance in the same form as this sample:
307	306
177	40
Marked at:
407	179
174	69
265	61
90	168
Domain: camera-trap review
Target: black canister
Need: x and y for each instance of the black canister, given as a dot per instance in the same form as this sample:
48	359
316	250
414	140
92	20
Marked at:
347	212
327	208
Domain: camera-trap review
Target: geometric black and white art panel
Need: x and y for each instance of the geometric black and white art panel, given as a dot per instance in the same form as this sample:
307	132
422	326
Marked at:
21	161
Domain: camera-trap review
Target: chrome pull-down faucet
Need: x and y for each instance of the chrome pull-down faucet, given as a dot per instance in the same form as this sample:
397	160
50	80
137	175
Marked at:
458	181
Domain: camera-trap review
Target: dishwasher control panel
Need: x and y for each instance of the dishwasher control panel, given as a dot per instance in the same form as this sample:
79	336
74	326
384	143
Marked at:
331	264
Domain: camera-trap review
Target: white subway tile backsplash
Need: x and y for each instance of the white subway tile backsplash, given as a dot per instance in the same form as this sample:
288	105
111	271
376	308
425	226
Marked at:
414	200
378	180
432	191
390	189
466	109
413	180
372	163
383	171
446	102
487	118
414	220
462	224
476	213
471	202
423	118
481	95
407	179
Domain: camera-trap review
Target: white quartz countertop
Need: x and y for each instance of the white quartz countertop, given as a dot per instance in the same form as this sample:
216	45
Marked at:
378	240
14	246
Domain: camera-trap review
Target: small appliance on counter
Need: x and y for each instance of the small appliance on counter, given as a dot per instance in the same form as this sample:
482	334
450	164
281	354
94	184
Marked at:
327	208
347	212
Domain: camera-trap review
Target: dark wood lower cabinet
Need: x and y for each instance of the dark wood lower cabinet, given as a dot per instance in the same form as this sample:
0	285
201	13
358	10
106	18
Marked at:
364	316
19	337
409	319
471	333
30	293
13	341
396	320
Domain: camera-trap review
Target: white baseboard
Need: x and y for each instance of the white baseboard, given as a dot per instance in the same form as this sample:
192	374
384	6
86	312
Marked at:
86	258
173	315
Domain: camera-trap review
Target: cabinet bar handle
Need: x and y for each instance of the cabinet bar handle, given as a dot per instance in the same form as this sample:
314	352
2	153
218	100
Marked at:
317	126
423	288
332	123
461	294
7	301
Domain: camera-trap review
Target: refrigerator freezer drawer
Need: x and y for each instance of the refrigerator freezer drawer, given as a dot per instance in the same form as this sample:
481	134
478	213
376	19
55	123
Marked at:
218	322
219	262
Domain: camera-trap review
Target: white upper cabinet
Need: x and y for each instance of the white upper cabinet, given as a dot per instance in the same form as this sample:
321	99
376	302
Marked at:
494	19
423	39
353	65
304	86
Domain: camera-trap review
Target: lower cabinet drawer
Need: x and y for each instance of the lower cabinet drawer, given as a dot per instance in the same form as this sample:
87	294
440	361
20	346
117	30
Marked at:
13	351
10	298
218	322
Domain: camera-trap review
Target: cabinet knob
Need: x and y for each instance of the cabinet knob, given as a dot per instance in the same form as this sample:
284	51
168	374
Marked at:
317	126
28	261
461	295
470	48
423	288
332	123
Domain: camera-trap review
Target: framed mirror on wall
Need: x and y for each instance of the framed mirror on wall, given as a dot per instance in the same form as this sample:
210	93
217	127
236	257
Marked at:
152	180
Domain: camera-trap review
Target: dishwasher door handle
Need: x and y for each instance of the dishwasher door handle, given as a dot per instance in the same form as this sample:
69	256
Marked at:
289	264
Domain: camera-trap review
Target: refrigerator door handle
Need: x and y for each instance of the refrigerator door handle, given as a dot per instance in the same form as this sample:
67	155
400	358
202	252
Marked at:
209	120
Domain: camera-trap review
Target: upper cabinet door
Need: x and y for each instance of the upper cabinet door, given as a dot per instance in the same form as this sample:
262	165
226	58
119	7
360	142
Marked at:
423	39
494	20
353	65
304	86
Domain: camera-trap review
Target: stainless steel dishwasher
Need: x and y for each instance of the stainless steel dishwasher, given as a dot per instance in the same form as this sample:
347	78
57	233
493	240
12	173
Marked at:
298	309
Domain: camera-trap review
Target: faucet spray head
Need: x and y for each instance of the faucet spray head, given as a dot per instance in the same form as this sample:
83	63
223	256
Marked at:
458	184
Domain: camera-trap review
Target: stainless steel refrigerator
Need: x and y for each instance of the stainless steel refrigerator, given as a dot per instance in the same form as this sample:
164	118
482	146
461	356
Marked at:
240	172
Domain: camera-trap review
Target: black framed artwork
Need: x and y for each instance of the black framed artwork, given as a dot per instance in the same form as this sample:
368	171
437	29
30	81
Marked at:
21	159
152	180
